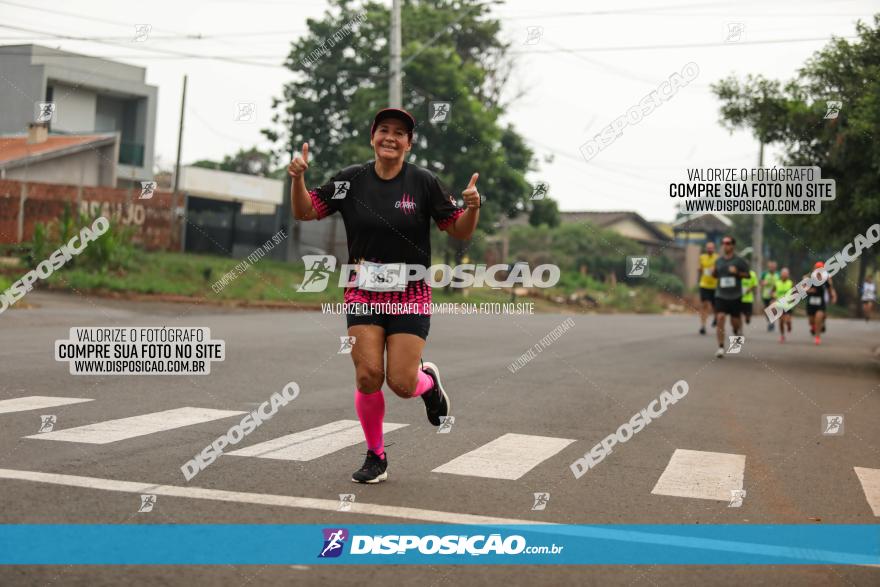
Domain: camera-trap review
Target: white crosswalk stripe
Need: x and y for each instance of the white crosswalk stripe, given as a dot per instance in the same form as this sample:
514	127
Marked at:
37	402
125	428
313	443
701	475
870	480
507	457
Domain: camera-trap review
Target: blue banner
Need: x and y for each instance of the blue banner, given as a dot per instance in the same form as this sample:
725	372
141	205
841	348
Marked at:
538	544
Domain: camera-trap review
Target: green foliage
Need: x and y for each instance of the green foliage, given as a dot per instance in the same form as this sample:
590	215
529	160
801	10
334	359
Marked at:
112	251
846	147
572	246
452	51
544	211
248	161
667	282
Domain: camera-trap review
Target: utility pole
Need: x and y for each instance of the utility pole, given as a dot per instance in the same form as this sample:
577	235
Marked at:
394	83
177	168
758	228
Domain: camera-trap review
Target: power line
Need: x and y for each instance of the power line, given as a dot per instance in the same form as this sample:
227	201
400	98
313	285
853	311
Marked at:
682	45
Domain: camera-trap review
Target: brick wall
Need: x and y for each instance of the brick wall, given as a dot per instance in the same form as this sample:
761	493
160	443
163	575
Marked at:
23	205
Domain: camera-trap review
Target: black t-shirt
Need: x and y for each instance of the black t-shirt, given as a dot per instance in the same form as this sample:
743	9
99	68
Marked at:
730	285
388	220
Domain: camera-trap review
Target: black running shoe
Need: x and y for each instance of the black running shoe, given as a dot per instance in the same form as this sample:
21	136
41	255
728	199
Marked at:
437	403
373	471
702	330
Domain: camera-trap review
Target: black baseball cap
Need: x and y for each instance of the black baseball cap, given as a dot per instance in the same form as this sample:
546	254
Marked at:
397	113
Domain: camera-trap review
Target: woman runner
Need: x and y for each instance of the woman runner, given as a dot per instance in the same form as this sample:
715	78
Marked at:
387	206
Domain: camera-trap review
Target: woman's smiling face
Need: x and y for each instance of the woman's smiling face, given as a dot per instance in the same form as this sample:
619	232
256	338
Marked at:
391	140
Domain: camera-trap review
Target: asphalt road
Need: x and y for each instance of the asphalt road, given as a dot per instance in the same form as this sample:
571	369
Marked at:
764	405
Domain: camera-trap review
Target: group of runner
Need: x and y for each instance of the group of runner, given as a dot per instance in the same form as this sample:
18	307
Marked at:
728	287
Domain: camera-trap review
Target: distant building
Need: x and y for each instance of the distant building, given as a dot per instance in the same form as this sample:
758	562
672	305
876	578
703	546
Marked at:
629	224
700	228
91	96
81	160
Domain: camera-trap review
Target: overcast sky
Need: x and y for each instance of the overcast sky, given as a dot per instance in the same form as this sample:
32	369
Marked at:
592	62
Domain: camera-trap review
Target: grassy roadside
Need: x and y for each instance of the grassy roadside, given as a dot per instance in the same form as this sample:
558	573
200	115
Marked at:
174	276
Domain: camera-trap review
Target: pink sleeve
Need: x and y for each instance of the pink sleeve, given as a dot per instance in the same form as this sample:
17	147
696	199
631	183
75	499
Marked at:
446	222
318	204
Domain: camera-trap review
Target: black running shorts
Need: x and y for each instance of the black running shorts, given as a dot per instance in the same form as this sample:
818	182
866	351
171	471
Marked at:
418	324
732	307
707	295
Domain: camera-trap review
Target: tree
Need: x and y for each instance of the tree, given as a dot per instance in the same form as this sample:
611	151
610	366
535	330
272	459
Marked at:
451	52
544	211
845	147
248	161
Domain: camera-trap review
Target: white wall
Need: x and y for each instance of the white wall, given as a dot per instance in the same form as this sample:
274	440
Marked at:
74	109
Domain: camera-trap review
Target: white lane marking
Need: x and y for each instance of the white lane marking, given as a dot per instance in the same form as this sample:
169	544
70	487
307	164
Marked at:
37	402
312	443
507	457
870	480
125	428
267	499
701	475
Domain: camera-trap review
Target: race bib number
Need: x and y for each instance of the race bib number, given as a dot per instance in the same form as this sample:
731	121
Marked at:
381	276
727	282
815	301
707	272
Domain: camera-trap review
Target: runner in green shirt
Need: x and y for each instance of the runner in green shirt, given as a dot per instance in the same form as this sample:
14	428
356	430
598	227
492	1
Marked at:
781	287
749	285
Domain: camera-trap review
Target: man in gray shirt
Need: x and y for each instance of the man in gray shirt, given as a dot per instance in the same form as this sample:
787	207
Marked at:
730	271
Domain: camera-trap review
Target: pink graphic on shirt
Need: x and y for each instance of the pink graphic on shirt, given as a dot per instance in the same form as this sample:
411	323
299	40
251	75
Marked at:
406	203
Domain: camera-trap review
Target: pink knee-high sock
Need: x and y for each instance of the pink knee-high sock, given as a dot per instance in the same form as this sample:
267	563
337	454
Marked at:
370	408
424	384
